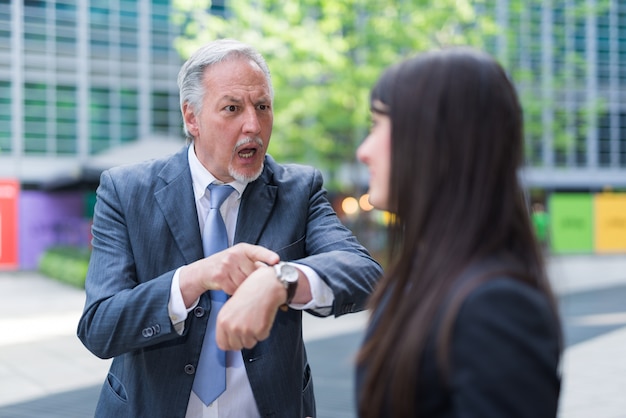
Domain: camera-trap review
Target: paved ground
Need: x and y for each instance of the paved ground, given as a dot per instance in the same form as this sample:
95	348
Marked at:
46	372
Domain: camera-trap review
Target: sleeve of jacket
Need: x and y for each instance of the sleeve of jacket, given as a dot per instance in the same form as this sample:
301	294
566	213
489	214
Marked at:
334	253
505	354
122	313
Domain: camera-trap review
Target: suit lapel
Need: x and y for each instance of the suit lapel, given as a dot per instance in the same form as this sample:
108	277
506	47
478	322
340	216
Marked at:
176	200
256	206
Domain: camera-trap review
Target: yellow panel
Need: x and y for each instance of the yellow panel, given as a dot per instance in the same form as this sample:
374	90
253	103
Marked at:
610	228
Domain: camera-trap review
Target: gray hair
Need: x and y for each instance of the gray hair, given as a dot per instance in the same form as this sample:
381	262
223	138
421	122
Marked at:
190	86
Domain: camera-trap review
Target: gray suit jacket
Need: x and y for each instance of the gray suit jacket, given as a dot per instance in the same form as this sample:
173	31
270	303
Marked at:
145	226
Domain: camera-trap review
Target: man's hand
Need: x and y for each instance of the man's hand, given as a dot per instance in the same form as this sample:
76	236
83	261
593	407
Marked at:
225	270
247	317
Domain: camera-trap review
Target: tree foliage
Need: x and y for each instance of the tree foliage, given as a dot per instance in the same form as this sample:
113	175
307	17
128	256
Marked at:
325	55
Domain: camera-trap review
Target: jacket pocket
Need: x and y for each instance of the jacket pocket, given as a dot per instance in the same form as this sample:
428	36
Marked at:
308	398
116	387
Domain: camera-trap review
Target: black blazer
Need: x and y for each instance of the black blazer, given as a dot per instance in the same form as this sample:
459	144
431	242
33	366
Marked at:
504	358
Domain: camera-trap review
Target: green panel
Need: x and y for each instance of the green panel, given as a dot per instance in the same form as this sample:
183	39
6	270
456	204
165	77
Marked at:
571	225
90	202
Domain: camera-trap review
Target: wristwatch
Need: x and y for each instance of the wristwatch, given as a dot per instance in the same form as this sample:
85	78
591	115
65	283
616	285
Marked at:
288	276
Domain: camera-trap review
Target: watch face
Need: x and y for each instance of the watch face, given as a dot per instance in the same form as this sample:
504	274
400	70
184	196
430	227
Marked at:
289	273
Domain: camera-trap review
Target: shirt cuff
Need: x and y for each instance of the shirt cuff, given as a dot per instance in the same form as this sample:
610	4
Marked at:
322	296
176	306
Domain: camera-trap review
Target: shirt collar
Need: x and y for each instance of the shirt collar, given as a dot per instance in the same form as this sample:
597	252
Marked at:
201	177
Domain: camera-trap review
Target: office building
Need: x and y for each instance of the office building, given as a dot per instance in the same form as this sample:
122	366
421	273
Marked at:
570	56
78	77
82	78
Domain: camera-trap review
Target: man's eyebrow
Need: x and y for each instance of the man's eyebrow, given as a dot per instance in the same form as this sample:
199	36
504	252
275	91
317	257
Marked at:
228	98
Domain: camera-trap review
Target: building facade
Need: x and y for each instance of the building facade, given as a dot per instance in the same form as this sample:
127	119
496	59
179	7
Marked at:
568	57
81	76
78	77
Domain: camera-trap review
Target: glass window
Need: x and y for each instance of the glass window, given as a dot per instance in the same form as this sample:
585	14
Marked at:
66	123
129	116
5	116
99	118
604	140
163	105
35	117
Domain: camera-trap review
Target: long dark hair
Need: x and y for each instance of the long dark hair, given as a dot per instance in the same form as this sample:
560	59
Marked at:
456	147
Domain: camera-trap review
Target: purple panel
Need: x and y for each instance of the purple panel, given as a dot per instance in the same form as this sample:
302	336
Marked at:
49	219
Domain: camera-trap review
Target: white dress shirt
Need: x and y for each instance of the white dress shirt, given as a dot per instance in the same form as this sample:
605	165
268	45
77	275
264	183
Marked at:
237	400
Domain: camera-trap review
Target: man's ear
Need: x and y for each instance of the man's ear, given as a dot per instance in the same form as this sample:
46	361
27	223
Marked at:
190	119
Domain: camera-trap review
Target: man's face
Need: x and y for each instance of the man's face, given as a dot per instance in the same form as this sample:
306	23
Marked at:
232	131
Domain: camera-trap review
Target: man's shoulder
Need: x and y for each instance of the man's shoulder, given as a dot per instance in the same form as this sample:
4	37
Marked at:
149	173
287	172
150	166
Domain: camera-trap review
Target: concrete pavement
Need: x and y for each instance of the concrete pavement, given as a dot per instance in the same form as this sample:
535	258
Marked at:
594	371
40	357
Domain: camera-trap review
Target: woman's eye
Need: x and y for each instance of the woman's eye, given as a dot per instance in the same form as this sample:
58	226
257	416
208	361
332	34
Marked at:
231	108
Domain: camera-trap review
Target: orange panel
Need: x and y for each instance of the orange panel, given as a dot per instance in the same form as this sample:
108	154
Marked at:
9	193
610	219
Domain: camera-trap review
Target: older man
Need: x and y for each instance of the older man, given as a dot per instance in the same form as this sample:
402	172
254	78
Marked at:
156	281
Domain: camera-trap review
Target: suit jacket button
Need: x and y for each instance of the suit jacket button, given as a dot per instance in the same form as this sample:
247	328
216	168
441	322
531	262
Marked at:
147	332
198	311
190	369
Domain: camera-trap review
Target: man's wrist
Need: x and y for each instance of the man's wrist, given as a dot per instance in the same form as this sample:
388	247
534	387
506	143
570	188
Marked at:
287	274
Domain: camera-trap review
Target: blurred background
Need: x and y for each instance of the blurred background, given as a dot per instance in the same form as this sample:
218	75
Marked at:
89	84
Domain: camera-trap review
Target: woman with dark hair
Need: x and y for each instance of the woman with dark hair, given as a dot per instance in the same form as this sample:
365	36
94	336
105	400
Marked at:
464	323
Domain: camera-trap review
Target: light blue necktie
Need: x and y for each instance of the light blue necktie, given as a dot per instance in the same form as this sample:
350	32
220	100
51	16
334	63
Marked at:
210	380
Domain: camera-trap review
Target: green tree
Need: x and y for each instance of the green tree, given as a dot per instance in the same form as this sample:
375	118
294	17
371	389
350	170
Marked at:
325	56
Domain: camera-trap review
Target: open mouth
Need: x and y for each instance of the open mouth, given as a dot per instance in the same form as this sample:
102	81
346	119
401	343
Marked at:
248	147
247	152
